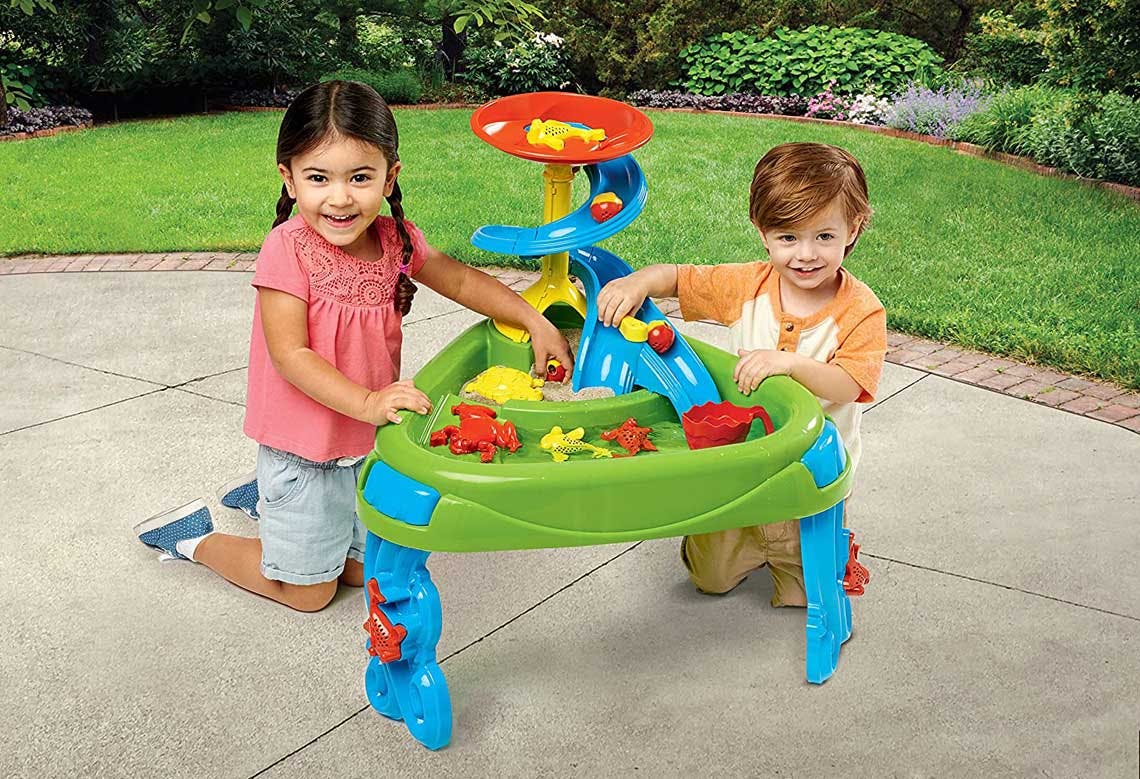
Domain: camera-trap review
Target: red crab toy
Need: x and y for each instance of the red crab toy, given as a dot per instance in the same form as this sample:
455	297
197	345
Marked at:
477	432
856	575
385	636
630	437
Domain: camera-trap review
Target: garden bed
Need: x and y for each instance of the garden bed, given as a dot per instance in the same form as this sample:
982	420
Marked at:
40	122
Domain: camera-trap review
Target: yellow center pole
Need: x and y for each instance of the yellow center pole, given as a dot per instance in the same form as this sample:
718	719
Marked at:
553	285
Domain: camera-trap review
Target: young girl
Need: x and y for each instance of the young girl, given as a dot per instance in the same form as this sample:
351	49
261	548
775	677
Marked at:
333	284
798	314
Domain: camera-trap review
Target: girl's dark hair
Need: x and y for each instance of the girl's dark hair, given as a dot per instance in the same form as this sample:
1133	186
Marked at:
353	110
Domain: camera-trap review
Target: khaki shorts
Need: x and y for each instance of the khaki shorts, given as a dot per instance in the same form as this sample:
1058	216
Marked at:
719	561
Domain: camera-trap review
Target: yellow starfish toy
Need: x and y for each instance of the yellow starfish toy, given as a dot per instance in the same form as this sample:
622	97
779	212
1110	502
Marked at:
501	384
554	133
562	445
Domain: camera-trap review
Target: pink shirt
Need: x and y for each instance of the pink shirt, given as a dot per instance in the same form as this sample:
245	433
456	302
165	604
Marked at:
353	324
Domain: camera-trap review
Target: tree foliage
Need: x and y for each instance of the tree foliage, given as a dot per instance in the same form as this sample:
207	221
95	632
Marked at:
1093	44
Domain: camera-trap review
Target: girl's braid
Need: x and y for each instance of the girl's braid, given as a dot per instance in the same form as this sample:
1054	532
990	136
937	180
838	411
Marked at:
405	288
284	207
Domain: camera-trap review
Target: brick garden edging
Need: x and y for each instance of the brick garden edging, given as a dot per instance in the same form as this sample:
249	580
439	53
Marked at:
1098	400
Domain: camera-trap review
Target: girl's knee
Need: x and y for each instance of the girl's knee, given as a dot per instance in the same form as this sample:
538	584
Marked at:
353	575
308	597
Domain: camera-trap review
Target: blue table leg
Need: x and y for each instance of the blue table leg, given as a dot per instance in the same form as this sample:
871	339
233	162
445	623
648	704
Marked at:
403	680
824	550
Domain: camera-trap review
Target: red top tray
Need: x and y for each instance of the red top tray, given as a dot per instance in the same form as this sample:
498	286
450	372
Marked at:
503	122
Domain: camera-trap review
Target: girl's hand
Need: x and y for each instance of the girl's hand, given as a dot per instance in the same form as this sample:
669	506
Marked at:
380	406
548	343
755	366
620	298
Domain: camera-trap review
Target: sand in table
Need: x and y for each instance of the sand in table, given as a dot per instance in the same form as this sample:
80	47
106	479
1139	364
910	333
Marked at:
552	391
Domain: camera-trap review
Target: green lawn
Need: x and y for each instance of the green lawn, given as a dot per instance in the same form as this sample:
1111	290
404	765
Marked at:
961	249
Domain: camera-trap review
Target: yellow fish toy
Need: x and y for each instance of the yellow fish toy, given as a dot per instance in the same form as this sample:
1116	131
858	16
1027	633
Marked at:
562	445
554	133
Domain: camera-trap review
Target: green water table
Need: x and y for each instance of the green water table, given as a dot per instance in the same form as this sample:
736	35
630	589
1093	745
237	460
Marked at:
416	498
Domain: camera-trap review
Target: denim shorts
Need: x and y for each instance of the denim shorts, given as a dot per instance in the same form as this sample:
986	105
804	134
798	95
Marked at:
308	519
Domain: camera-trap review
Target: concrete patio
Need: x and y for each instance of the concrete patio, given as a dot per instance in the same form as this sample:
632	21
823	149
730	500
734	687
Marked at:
1000	635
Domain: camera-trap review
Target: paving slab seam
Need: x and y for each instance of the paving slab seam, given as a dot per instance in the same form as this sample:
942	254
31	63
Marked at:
433	317
1095	399
84	367
309	743
552	595
81	413
462	649
1000	585
209	397
159	387
896	393
203	377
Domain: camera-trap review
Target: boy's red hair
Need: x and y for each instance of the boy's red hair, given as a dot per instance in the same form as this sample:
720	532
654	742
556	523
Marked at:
795	181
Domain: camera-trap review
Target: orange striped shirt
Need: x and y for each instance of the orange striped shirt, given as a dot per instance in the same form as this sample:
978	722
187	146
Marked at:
850	331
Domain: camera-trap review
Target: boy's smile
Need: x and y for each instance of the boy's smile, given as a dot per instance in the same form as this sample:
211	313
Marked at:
340	188
810	254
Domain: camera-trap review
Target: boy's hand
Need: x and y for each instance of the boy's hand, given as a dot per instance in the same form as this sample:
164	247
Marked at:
548	343
380	406
755	366
619	299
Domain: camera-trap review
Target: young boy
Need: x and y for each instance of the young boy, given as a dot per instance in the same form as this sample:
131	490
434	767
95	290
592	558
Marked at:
800	314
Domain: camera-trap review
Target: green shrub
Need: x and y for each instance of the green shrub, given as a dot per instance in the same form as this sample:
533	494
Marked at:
21	87
620	47
531	66
267	53
1097	137
389	43
453	92
1005	123
1004	50
805	62
1093	45
399	87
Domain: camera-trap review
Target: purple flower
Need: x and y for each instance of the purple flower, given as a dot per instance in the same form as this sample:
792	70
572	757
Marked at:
922	110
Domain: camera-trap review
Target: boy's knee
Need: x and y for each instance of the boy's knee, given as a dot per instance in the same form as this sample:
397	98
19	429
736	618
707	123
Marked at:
711	577
715	582
308	597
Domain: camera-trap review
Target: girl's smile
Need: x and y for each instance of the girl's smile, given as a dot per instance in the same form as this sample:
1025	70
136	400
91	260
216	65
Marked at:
340	187
340	222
